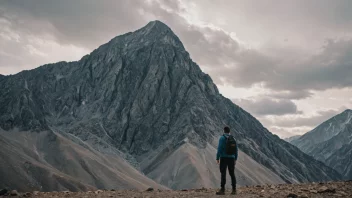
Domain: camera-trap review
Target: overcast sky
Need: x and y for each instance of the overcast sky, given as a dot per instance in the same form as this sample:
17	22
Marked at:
288	63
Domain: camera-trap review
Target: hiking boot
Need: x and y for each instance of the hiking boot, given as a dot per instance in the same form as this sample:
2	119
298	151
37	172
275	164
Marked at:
233	191
221	192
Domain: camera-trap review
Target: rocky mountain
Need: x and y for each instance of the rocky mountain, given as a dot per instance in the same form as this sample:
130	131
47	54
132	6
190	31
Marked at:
292	138
331	143
139	99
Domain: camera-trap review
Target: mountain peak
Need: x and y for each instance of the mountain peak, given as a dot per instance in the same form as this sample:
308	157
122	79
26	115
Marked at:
155	28
159	30
154	31
158	24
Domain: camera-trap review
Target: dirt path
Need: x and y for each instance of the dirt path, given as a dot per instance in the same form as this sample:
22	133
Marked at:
334	189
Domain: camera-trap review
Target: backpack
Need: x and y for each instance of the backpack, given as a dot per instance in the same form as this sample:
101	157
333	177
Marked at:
230	148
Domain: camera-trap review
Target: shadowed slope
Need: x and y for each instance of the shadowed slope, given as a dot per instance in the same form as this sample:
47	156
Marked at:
47	161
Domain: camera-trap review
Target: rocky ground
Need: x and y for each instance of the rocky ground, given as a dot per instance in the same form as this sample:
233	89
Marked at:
333	189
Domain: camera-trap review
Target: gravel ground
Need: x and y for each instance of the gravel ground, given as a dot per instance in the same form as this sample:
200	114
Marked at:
333	189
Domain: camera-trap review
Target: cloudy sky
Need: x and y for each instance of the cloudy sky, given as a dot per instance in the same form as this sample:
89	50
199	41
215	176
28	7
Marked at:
289	63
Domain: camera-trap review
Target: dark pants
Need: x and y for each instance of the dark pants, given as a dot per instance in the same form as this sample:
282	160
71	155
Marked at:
230	164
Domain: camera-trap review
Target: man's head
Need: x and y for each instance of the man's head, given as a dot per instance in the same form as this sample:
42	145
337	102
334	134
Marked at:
226	129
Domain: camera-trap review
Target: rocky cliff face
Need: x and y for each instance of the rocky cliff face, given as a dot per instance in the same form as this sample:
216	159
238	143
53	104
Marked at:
142	98
331	143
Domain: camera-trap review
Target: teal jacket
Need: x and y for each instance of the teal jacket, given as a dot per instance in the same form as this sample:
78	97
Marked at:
222	150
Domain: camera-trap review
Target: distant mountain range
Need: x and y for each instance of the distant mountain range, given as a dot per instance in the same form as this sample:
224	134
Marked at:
292	138
331	143
136	112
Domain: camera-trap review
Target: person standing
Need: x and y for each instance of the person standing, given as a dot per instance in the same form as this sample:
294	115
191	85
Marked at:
226	157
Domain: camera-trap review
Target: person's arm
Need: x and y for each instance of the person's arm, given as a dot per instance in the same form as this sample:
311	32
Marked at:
219	149
236	154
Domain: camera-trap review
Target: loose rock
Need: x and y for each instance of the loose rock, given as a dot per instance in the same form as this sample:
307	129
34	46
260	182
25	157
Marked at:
342	193
292	195
98	191
14	193
325	189
322	189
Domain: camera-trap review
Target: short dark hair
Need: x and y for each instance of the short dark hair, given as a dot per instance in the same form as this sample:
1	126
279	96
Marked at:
227	129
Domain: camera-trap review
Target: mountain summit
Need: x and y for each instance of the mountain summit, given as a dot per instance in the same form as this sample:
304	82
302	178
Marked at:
155	32
138	99
158	26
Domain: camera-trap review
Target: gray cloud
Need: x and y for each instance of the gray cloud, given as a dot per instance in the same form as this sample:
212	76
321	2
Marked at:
274	21
284	63
267	106
331	68
312	121
86	23
297	95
